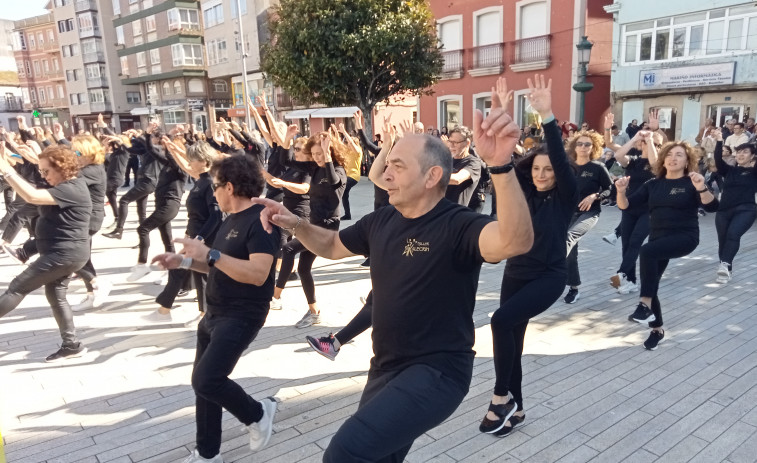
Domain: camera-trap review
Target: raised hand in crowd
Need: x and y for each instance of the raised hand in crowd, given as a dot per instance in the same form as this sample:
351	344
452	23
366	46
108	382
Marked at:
358	118
496	136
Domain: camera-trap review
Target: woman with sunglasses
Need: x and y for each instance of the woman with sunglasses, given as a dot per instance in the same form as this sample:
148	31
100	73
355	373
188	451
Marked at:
594	185
62	239
328	180
737	210
636	157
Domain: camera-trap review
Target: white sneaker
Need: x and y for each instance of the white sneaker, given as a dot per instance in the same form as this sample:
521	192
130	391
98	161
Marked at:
724	274
309	319
260	432
276	304
618	280
157	317
196	458
138	271
86	304
101	293
628	288
612	238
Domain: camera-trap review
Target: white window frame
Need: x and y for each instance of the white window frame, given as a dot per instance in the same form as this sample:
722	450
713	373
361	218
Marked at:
175	23
476	97
155	56
519	5
179	57
169	117
447	19
216	83
150	23
177	87
141	59
124	65
483	11
441	99
210	14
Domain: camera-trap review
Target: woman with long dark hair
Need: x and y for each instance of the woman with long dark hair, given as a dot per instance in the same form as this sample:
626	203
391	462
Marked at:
62	239
532	282
672	200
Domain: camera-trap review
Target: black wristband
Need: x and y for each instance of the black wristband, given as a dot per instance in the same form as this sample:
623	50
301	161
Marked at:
502	169
703	191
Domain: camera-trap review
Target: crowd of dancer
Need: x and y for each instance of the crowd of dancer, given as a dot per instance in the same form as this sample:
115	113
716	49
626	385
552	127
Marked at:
260	199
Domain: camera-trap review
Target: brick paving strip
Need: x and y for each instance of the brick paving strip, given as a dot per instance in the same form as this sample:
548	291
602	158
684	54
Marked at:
592	393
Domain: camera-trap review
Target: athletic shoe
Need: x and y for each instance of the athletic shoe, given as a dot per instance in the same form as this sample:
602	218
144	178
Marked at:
260	432
101	292
138	271
66	353
642	314
366	262
17	254
655	337
724	273
503	412
196	458
182	293
324	346
572	296
276	304
309	319
629	287
612	238
86	304
157	317
115	234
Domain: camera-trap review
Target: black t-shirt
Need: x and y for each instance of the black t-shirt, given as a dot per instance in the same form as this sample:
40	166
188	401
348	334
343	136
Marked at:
638	169
65	226
275	167
117	162
593	177
326	189
673	204
94	178
425	275
202	210
739	183
461	194
240	235
298	204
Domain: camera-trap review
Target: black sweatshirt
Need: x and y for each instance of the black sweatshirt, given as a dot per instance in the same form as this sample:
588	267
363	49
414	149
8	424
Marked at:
171	178
739	184
148	168
94	176
551	212
202	210
117	162
380	196
593	177
327	186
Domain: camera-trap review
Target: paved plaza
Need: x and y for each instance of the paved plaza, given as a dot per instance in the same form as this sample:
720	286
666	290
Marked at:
592	393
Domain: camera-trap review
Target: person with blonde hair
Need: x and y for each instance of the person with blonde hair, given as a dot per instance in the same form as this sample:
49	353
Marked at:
594	185
672	199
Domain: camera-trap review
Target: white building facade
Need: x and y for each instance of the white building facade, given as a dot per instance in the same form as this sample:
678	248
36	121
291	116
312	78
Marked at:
690	60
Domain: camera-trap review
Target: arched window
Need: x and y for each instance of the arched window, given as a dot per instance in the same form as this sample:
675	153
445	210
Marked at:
177	87
220	86
166	89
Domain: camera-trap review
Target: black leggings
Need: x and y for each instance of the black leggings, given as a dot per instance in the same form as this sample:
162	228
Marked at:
176	281
520	300
634	228
304	268
346	196
9	206
25	215
132	165
654	259
731	224
359	323
161	219
138	193
111	192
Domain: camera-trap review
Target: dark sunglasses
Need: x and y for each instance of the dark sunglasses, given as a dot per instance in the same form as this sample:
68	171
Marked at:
44	172
215	186
585	144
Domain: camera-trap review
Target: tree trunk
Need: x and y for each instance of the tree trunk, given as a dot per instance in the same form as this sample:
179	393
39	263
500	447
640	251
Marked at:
368	122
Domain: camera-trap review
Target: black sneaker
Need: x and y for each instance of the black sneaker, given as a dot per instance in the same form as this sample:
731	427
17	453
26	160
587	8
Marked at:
366	263
67	352
17	254
115	234
572	296
503	412
182	292
642	314
655	338
324	346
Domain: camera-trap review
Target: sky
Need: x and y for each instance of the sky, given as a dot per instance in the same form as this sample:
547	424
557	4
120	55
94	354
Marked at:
20	9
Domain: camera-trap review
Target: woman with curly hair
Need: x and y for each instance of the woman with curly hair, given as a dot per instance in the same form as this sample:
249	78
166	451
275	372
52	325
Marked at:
328	180
594	185
62	239
673	199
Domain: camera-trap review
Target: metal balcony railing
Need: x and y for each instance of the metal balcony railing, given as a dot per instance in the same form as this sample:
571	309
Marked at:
93	57
453	63
96	82
85	5
531	50
488	56
89	32
9	104
99	107
54	75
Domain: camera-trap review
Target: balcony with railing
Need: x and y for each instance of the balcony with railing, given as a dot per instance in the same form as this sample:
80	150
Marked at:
11	104
54	75
453	67
531	54
93	57
85	5
93	31
285	101
50	47
58	102
100	106
487	59
97	82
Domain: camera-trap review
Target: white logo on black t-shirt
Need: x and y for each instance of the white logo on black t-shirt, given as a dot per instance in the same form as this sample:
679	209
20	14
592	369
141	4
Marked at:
675	191
414	245
232	234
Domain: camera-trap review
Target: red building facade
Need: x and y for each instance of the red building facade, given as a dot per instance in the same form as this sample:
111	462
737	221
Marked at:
484	39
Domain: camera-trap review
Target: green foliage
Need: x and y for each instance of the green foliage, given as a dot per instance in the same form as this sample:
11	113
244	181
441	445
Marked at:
352	52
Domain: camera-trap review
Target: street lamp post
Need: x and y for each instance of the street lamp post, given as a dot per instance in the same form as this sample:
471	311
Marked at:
584	55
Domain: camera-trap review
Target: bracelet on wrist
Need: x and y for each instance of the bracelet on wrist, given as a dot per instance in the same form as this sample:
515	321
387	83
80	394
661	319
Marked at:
293	230
186	263
704	190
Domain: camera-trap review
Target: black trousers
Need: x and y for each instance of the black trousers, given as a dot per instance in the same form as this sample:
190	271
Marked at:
520	300
138	193
654	259
580	224
304	268
132	165
177	281
161	217
51	271
359	323
111	193
634	229
346	196
731	224
8	198
396	408
25	215
221	341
